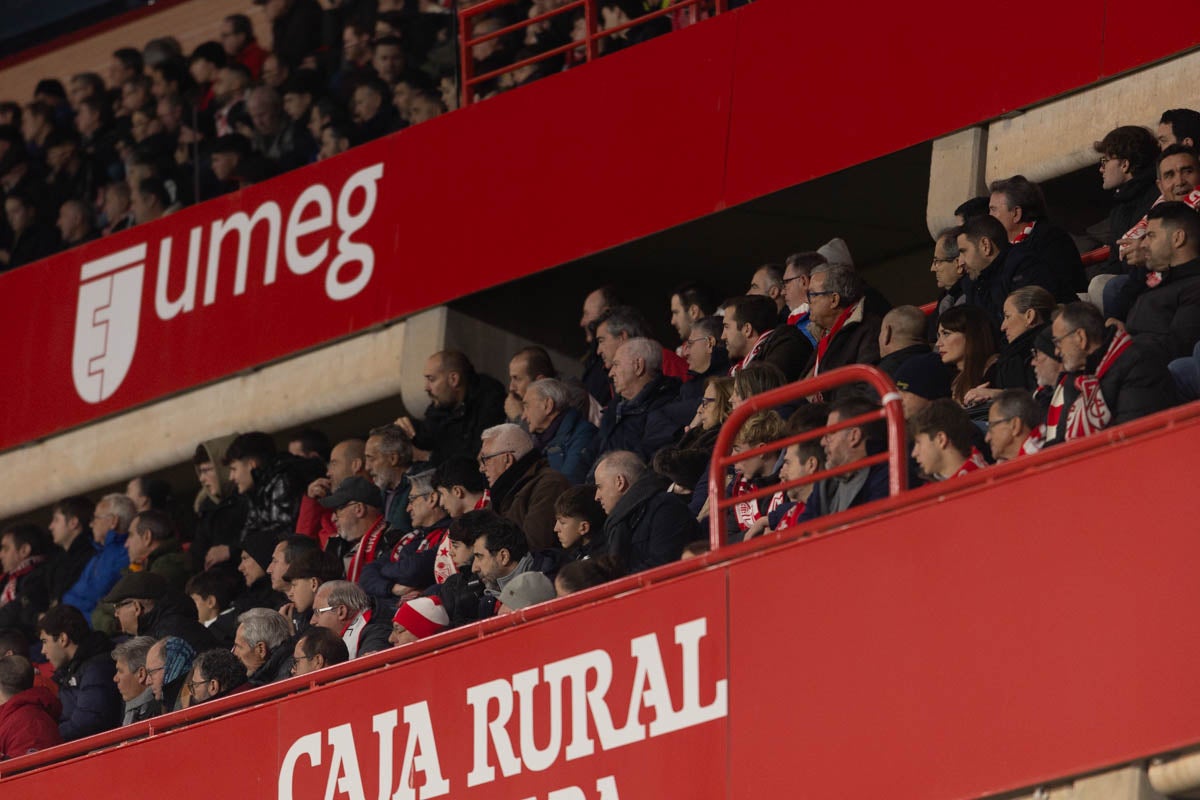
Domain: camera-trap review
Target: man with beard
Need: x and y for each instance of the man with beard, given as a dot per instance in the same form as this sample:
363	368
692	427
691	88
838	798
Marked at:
388	456
358	513
464	403
347	458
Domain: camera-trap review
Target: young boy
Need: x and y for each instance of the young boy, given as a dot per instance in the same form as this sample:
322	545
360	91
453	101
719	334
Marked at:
754	473
579	523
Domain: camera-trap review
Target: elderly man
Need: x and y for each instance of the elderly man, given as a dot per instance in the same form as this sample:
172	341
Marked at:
215	674
560	431
132	680
463	403
527	365
837	305
1111	377
646	525
261	646
358	513
618	325
419	618
318	648
345	609
796	276
523	485
110	527
1013	421
144	605
948	273
752	334
642	416
768	282
388	457
169	663
408	566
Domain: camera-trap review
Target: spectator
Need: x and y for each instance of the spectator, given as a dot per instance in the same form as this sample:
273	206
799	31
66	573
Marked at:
901	337
561	433
523	485
837	305
1013	422
145	606
579	575
690	302
529	364
83	85
767	281
346	459
642	416
796	276
153	546
407	567
755	472
24	577
646	526
68	520
273	483
371	112
464	403
921	380
149	493
1048	370
388	459
258	550
1111	378
287	143
1167	316
83	671
213	592
754	380
461	487
133	682
463	592
149	200
357	509
501	552
304	576
70	176
966	343
579	523
316	649
595	371
983	252
261	644
948	272
310	443
220	509
345	609
387	59
1026	312
752	334
32	239
169	665
233	80
844	447
799	461
942	435
1128	158
28	714
1179	126
110	527
335	139
215	674
618	325
422	617
295	29
525	590
118	208
1039	246
299	92
705	353
237	39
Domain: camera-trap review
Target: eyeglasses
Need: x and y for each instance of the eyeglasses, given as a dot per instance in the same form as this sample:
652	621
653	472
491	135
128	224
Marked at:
1058	339
156	669
937	260
122	603
697	339
1000	421
193	684
484	459
811	295
707	401
786	281
323	610
1105	159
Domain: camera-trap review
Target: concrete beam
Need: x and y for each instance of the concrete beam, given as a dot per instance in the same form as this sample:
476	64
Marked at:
956	173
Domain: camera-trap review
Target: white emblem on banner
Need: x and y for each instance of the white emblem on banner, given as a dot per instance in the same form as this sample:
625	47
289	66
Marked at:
106	322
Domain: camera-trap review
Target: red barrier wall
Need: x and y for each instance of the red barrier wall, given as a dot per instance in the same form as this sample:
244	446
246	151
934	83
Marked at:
727	110
941	650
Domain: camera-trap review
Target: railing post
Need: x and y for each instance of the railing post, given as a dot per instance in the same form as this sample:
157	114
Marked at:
592	48
465	60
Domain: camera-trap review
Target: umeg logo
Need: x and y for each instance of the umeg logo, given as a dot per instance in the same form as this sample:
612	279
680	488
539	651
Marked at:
106	322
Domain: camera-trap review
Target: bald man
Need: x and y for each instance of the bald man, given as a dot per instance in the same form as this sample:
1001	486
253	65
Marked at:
901	336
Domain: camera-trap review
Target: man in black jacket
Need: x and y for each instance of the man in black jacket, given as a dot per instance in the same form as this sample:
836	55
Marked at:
262	645
643	415
69	528
83	670
838	306
24	577
901	336
464	403
144	606
1019	205
1167	316
984	252
752	334
646	526
1128	168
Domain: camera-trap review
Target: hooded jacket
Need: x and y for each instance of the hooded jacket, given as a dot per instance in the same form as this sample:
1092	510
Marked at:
90	701
29	722
648	526
525	494
219	521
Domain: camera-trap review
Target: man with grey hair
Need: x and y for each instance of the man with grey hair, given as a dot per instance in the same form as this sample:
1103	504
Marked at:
133	682
837	305
559	430
618	325
949	275
405	569
643	416
523	485
646	526
388	456
261	645
110	529
284	141
345	609
901	336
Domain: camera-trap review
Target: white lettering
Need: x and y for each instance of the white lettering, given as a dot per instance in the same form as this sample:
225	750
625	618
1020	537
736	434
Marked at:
308	745
343	769
577	669
480	698
349	251
243	226
533	758
607	787
384	725
297	227
165	307
688	636
420	755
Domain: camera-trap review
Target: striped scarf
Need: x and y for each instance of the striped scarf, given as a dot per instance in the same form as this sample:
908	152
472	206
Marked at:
1090	412
9	592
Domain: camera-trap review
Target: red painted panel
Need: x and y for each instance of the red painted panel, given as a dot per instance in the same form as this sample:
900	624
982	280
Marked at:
823	86
1130	45
952	651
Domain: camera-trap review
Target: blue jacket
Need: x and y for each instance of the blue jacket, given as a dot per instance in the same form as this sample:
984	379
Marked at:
570	451
100	575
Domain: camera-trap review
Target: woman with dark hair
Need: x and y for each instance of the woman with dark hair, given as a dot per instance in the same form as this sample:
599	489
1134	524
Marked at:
965	341
1026	312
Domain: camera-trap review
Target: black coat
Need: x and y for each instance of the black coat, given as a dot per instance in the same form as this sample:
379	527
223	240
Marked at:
892	362
1014	367
33	597
643	424
34	244
274	500
277	666
1131	201
260	595
1004	275
448	432
1137	384
219	524
788	349
1050	252
648	526
175	615
90	701
1167	317
67	567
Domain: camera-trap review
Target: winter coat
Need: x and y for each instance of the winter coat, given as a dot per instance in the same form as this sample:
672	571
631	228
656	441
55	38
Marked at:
33	597
892	362
788	349
29	722
260	595
857	342
1013	368
395	502
219	523
274	500
648	526
90	701
1167	317
463	597
525	494
1007	273
66	567
1051	252
644	423
568	448
175	615
1131	201
277	667
100	575
1137	383
407	560
447	432
169	561
858	488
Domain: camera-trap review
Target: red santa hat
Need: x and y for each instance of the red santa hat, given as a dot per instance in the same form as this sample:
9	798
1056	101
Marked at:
423	616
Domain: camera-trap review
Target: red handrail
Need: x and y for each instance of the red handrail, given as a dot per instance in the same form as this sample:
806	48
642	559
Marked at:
891	412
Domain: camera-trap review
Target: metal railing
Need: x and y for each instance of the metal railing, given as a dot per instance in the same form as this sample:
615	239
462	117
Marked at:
584	49
890	412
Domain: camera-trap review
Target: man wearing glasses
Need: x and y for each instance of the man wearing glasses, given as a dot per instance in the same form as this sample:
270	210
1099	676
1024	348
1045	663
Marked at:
215	673
357	507
407	568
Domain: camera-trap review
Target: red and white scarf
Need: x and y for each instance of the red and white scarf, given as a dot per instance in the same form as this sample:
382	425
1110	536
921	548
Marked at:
798	314
443	562
9	592
1139	230
353	631
973	463
1090	412
1024	234
365	552
754	351
1033	442
748	512
827	339
790	516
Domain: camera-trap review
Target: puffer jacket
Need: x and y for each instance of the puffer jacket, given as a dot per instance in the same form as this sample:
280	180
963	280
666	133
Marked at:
90	701
274	501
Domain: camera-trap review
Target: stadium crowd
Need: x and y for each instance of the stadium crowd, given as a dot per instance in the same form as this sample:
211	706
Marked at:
501	497
163	129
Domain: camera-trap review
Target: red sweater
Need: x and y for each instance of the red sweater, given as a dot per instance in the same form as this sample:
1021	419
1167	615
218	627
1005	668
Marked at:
29	722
